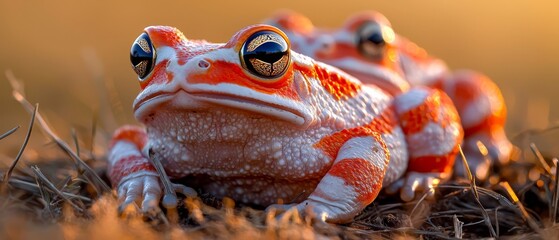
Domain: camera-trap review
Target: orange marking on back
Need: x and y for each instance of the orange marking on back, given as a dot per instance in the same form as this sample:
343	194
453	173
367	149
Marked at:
362	175
467	89
412	50
158	75
338	86
165	36
357	20
384	123
294	22
226	72
489	125
436	108
426	164
465	93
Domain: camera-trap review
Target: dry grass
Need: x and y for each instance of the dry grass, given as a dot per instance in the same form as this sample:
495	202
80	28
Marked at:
68	197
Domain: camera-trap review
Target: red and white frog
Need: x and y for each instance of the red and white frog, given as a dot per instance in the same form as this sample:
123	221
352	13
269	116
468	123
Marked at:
257	122
367	48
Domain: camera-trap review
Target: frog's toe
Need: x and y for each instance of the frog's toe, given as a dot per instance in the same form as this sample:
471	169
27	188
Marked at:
314	211
416	184
184	190
152	194
144	190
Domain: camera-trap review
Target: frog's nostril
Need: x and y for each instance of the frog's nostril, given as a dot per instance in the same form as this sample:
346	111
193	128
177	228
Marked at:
203	64
326	43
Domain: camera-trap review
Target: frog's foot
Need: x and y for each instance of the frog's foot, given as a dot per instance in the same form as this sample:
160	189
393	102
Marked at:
415	184
145	189
315	210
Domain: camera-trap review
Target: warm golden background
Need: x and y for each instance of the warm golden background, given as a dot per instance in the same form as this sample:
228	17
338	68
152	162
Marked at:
60	49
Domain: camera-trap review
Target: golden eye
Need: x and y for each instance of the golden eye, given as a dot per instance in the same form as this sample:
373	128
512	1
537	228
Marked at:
265	54
372	39
142	56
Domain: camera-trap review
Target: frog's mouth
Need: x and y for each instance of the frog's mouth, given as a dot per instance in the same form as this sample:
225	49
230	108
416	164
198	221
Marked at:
266	105
386	79
276	107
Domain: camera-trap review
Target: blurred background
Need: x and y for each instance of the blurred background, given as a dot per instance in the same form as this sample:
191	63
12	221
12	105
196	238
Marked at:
66	52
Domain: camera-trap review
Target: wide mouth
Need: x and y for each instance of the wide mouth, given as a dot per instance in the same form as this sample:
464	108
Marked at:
383	78
154	97
278	110
385	84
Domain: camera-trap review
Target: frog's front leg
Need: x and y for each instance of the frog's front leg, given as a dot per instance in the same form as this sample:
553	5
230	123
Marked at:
352	183
131	172
433	131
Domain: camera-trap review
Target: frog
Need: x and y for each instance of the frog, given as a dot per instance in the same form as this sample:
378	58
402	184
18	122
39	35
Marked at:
367	47
256	122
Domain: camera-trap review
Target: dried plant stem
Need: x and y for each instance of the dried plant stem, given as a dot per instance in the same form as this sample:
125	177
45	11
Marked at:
474	191
523	211
92	176
555	200
540	158
49	185
21	149
457	227
169	197
8	133
34	188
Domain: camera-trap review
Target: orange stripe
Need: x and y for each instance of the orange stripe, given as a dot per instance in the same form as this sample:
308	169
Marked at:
165	36
442	163
414	120
226	72
128	165
382	124
338	86
134	134
362	175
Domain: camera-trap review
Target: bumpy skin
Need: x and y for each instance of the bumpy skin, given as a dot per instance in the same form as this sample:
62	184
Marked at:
313	136
402	66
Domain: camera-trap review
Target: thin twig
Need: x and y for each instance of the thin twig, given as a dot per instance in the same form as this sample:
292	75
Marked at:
49	185
35	189
93	178
170	199
520	206
93	134
540	158
476	194
21	149
457	227
76	143
8	133
431	191
555	201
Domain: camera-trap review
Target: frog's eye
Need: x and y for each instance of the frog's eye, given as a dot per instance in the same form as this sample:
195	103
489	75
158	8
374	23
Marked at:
372	39
142	56
265	54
